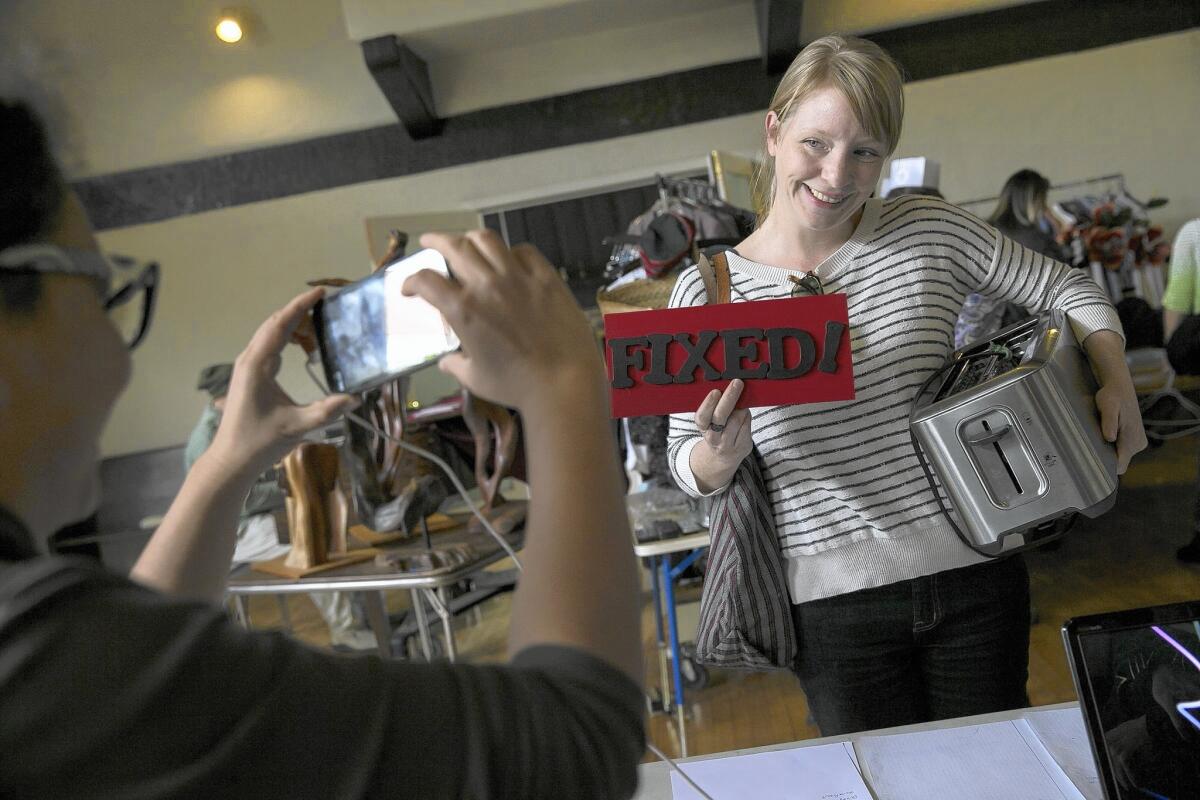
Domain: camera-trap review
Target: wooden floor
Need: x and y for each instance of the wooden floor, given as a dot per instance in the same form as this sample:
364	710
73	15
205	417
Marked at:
1122	560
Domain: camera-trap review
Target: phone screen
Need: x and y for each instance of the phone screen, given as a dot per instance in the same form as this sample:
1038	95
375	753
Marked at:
370	331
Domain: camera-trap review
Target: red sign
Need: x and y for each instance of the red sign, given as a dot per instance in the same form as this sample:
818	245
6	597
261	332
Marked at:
787	352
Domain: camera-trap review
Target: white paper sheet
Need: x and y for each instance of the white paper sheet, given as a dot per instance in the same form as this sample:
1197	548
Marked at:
982	762
1063	733
825	772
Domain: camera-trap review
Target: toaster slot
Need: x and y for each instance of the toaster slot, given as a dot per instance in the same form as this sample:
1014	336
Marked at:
1002	459
992	437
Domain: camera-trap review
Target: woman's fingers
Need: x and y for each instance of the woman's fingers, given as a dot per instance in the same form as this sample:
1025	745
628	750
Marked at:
742	442
704	414
728	402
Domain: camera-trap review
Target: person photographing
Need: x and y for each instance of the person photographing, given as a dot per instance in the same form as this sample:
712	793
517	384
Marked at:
116	687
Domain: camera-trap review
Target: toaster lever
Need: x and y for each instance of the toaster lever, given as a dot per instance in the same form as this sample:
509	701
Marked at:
991	436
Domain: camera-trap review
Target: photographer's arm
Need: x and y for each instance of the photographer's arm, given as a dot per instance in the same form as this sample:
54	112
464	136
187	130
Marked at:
189	554
579	586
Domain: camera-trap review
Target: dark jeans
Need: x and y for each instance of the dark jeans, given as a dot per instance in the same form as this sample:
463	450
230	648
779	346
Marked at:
945	645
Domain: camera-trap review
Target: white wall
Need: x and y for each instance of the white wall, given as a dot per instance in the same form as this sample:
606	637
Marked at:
1133	108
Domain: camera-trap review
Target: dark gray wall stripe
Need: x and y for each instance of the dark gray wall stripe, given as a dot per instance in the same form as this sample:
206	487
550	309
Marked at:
928	50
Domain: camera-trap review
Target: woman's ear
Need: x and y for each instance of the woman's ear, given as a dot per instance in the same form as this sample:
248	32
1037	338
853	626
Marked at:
772	126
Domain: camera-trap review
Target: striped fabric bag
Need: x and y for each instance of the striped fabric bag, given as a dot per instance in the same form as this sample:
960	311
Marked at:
745	609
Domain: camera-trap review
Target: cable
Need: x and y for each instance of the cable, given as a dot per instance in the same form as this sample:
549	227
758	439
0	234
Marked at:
676	768
423	453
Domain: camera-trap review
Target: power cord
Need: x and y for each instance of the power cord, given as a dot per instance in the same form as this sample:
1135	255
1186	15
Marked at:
423	453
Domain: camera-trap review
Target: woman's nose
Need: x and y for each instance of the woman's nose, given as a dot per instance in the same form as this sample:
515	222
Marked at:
837	170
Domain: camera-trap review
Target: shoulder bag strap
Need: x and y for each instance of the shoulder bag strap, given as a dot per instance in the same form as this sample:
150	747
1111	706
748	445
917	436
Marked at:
715	274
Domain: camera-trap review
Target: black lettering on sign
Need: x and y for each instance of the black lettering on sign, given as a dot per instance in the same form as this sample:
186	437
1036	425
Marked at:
658	375
696	357
738	349
834	331
627	353
778	360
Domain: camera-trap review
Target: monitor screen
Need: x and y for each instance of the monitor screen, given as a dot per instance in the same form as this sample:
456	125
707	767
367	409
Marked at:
1143	706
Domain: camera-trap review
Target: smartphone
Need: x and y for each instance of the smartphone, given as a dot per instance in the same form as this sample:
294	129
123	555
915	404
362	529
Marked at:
369	332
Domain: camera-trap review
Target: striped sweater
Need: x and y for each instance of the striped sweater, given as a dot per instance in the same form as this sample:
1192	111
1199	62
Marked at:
853	509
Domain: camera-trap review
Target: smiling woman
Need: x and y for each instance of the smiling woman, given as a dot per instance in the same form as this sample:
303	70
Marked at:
897	620
857	83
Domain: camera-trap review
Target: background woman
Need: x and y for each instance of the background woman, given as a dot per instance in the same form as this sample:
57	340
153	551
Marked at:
1020	215
898	621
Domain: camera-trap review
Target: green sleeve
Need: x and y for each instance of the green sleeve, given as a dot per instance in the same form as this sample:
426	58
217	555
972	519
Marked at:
1181	283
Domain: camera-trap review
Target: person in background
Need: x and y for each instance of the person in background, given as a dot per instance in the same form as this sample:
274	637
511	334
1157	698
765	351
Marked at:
1181	332
897	620
140	686
1021	216
258	532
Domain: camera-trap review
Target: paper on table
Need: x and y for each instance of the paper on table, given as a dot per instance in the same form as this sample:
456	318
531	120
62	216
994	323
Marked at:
1063	733
983	762
824	772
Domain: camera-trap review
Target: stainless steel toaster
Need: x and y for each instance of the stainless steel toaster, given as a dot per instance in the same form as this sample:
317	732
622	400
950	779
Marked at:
1010	428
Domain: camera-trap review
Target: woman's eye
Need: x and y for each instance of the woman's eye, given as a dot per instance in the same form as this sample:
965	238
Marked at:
811	143
868	155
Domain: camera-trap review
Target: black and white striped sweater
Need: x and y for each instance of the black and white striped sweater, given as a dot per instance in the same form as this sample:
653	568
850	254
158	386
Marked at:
852	507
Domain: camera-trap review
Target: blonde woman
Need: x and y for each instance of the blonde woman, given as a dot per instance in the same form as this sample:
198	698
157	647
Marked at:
898	621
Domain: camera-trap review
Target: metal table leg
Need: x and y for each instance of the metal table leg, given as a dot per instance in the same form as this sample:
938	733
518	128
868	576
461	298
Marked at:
378	620
418	604
673	629
441	604
241	610
664	687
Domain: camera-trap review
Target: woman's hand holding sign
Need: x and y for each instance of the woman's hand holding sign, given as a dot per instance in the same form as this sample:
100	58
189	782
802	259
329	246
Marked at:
726	432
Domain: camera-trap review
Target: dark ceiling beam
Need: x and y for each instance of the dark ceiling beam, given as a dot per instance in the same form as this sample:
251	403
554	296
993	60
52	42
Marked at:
945	47
778	32
403	77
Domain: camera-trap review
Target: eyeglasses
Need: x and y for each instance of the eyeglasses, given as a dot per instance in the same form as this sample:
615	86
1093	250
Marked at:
806	285
131	307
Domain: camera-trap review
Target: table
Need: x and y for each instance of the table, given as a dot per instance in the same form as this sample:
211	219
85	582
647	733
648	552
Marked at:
663	577
371	580
655	778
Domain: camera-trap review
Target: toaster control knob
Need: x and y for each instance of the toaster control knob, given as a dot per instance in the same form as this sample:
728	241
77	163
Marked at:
992	435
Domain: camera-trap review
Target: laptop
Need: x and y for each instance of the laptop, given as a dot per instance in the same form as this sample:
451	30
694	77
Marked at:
1137	674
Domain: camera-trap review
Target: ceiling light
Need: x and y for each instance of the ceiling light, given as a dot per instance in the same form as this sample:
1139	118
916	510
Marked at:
229	27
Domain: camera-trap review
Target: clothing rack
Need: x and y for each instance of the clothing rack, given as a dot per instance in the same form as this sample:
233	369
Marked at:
700	191
1115	184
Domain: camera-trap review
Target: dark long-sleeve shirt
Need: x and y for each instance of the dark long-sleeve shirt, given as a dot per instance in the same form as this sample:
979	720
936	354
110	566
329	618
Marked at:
111	690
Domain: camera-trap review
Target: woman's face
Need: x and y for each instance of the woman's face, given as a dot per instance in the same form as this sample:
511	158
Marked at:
826	164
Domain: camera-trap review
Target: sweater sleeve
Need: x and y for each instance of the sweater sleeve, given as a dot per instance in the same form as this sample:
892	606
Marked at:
1037	283
683	435
1185	260
114	691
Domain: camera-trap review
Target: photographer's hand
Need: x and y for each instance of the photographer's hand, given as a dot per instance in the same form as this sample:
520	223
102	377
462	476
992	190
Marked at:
190	552
523	336
525	343
261	423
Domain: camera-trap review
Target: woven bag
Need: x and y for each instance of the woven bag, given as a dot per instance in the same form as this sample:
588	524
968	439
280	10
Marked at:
745	610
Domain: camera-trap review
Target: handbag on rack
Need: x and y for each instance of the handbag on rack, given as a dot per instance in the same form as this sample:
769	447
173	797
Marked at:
745	609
